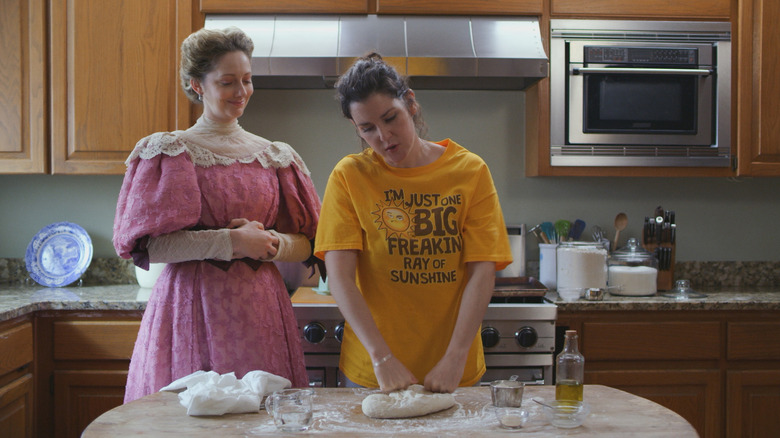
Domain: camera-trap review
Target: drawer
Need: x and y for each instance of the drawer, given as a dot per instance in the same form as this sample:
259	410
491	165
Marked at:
651	340
753	341
90	340
16	347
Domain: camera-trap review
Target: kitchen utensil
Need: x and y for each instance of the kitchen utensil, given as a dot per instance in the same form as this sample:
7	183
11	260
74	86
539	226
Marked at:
633	270
542	403
147	278
594	294
682	291
511	418
577	229
562	228
539	234
597	233
507	393
566	414
580	265
621	222
549	230
291	409
548	273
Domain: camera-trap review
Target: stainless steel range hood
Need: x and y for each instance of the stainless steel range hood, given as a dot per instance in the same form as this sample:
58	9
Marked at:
476	53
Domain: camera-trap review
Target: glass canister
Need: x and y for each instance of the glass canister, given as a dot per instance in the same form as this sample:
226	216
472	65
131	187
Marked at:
580	266
633	271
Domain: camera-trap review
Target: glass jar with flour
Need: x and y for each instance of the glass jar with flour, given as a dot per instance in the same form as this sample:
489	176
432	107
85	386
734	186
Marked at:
580	266
633	271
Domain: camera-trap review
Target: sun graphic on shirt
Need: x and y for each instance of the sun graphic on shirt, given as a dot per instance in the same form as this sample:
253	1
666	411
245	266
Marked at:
394	219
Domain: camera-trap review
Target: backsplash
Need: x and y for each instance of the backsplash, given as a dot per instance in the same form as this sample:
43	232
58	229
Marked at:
114	270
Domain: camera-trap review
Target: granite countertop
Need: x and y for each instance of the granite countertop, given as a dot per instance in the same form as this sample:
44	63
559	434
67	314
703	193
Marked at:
721	298
18	299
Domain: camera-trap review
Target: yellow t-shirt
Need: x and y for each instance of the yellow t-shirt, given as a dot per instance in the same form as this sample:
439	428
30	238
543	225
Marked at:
415	228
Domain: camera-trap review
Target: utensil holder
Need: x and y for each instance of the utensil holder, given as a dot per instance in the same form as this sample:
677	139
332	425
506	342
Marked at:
665	279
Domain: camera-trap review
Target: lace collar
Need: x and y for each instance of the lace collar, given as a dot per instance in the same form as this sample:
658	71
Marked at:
211	143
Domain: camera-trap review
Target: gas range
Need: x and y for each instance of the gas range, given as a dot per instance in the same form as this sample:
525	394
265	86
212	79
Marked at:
518	337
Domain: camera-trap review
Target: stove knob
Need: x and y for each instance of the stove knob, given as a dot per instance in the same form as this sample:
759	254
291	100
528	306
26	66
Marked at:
339	332
526	337
314	332
490	337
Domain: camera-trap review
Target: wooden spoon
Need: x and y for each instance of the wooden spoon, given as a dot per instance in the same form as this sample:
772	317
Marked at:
621	221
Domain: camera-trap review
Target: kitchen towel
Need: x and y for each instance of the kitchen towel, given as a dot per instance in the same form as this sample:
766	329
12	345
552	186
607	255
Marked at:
211	393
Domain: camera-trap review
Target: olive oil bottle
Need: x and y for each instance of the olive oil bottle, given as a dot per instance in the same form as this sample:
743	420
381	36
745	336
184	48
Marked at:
569	370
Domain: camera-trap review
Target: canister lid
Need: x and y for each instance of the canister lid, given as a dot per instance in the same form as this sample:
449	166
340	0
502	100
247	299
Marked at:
632	252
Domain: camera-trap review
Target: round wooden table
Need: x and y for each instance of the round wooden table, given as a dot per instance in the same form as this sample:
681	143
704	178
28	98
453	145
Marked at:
614	413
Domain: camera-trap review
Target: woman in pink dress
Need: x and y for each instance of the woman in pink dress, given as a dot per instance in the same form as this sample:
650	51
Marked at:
218	204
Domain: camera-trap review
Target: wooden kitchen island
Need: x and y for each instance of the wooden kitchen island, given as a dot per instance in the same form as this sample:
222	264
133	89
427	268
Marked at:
614	413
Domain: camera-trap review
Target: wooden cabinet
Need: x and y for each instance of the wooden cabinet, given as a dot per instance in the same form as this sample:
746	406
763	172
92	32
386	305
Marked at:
695	394
23	118
114	78
672	362
83	367
16	379
719	370
753	403
82	81
687	9
465	7
758	88
753	379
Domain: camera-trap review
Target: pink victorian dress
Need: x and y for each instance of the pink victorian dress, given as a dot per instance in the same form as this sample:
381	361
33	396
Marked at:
207	314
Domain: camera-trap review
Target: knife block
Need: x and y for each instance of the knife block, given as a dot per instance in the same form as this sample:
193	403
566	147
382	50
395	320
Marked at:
665	279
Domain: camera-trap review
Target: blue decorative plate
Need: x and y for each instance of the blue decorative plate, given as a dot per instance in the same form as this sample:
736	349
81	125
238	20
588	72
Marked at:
59	254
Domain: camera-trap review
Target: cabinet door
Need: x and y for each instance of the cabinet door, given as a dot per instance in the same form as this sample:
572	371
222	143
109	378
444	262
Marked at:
758	89
23	87
710	9
82	396
694	394
287	6
114	78
497	7
753	403
16	408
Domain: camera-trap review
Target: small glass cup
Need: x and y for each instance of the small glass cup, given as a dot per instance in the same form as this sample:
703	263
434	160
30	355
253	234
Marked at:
291	409
507	393
511	418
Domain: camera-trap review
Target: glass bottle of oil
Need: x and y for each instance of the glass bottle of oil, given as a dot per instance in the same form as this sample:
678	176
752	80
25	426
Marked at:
569	370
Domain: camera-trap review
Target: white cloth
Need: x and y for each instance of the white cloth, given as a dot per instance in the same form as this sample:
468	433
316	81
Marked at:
209	393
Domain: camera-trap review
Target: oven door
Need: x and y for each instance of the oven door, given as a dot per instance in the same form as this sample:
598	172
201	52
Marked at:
630	105
532	369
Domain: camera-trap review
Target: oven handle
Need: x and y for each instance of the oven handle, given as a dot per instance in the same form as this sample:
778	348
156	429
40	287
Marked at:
655	71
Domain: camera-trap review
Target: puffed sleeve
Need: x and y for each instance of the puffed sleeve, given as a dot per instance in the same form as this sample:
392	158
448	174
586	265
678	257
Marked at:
299	204
159	195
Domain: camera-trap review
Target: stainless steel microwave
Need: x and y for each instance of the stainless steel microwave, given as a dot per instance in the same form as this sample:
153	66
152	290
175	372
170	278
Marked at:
630	93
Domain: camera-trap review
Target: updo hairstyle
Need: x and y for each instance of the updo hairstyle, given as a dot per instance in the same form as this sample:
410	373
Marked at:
371	74
201	51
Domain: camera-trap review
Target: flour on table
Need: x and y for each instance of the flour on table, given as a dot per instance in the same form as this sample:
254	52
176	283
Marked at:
412	402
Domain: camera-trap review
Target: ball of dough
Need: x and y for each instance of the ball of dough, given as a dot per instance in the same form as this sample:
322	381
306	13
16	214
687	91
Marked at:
414	401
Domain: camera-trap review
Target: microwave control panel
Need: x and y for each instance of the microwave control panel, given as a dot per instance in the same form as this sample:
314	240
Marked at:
641	55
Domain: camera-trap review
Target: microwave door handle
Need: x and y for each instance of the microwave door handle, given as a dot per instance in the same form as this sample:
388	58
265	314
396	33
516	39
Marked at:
655	71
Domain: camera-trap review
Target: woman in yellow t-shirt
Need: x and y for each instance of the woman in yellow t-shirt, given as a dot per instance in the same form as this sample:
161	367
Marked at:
412	233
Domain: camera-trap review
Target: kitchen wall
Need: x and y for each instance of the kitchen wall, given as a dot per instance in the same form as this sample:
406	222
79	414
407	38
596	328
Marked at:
719	219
